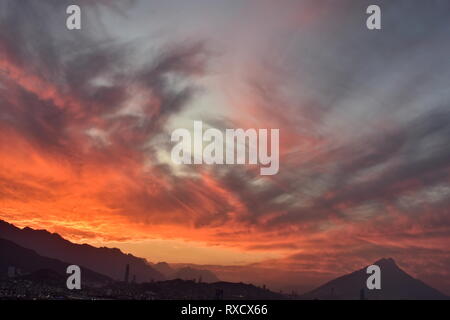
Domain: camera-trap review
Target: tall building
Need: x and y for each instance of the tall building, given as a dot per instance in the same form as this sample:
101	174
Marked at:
127	273
362	295
219	294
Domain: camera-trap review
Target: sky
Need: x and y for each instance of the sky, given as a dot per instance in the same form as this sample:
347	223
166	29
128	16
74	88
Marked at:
364	117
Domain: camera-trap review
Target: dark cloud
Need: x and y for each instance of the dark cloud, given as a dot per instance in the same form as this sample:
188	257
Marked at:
34	41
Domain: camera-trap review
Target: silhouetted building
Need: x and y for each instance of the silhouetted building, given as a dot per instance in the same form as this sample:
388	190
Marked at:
362	294
127	273
219	294
11	271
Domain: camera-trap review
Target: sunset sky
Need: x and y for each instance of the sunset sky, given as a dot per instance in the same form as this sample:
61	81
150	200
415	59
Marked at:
364	118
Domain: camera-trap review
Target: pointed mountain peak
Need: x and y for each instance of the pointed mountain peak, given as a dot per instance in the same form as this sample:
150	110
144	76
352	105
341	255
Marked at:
387	263
396	285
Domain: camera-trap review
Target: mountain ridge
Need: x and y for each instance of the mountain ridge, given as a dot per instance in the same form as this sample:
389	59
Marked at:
186	273
111	262
28	261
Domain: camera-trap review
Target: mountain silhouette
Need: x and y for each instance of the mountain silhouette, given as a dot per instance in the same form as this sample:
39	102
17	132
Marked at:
395	285
164	268
185	273
31	266
189	273
107	261
42	254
